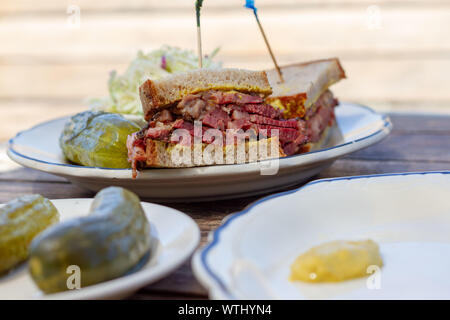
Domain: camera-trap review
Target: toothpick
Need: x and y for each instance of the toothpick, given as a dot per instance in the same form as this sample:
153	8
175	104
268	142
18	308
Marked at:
199	47
198	6
250	5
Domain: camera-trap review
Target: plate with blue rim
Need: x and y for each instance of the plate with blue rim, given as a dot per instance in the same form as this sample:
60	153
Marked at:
357	127
407	214
174	237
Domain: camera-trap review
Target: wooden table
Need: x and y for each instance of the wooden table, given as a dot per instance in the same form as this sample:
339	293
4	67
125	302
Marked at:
417	143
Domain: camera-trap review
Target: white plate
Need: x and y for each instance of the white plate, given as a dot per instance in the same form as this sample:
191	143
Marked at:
175	236
408	214
361	127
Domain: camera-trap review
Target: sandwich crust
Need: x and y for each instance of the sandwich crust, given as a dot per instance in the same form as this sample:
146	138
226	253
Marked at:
158	94
162	154
307	80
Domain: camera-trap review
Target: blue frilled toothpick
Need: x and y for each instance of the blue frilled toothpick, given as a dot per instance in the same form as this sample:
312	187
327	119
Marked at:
198	6
250	4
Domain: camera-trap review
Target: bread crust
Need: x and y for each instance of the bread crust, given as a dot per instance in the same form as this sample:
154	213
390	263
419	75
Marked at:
158	94
302	79
159	154
335	59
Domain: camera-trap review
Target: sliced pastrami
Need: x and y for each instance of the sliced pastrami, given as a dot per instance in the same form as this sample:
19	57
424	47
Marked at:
285	134
239	115
217	119
220	97
239	124
262	109
191	106
293	147
316	124
159	132
258	119
163	116
136	152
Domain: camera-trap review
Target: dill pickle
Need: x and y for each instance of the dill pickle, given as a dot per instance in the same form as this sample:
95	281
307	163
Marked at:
109	242
20	221
97	139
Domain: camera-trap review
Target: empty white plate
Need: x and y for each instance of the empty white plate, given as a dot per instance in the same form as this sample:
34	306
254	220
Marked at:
408	215
174	234
360	127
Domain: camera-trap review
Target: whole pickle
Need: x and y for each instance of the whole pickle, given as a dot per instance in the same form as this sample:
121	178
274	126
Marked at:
20	221
106	244
97	139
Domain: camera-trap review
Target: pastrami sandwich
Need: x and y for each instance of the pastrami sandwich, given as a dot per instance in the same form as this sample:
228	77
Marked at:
222	101
305	95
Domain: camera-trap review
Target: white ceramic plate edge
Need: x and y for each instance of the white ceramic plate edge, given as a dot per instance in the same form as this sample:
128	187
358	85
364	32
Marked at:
215	286
130	283
208	171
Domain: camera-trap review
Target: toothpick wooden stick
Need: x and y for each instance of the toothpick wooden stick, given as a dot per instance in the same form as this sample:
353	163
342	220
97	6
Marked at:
250	4
198	6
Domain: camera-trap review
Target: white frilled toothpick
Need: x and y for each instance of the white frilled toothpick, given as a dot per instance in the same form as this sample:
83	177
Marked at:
250	4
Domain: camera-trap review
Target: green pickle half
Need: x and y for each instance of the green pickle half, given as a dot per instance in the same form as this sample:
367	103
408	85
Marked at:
109	242
97	139
20	221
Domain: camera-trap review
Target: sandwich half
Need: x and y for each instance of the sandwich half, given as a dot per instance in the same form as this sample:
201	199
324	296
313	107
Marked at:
305	95
230	108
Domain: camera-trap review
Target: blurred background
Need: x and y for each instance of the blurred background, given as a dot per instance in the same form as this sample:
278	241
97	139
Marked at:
54	54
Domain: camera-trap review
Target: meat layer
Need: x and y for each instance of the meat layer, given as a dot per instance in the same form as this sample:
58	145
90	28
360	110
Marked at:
236	111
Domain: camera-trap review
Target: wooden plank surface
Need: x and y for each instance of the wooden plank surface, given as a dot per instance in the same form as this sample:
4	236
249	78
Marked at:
417	143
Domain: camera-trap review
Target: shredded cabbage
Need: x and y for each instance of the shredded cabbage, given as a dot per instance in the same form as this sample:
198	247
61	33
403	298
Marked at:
124	89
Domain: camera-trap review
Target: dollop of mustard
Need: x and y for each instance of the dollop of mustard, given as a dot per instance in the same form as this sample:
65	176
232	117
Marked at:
336	261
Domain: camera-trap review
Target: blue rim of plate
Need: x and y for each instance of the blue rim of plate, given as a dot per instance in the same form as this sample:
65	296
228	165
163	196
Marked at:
216	234
387	125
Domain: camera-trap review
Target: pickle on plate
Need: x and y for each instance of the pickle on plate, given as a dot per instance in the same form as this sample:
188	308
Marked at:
97	139
20	221
113	239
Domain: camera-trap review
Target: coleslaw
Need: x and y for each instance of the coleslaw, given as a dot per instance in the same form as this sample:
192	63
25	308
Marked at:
124	89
